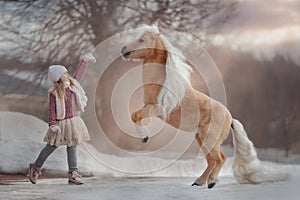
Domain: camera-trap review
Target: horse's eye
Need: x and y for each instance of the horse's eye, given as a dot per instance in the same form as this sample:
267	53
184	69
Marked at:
141	40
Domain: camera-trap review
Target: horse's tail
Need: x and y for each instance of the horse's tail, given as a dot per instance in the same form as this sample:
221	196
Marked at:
247	168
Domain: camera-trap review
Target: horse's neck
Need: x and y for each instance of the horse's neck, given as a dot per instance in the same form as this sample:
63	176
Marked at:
154	73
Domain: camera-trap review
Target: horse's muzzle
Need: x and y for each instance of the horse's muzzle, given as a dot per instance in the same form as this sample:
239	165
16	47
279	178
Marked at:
125	52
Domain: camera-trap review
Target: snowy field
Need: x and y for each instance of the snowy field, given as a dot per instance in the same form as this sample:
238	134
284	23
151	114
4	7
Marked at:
19	145
149	188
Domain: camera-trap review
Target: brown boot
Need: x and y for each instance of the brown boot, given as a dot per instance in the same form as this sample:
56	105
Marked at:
74	178
33	174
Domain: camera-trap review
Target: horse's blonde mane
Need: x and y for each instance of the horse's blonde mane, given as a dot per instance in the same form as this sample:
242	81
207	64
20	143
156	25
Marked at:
178	72
177	79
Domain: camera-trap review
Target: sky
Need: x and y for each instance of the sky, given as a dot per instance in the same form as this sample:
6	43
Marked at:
265	29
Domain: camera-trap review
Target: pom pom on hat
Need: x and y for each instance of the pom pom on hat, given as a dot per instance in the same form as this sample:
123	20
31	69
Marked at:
55	72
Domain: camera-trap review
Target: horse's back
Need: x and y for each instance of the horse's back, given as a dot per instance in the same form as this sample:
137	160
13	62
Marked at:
199	111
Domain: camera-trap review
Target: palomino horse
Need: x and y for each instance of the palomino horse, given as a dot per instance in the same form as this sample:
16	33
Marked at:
169	95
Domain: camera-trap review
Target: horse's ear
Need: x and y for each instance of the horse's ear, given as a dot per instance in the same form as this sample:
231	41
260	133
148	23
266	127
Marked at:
155	35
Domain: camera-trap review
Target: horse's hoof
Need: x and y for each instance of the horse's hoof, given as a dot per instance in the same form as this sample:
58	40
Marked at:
145	139
211	185
198	184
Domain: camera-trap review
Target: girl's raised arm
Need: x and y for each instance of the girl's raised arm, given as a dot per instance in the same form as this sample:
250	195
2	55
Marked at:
82	67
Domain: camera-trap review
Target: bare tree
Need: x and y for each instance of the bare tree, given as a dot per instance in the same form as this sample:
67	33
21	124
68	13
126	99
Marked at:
44	31
182	15
283	102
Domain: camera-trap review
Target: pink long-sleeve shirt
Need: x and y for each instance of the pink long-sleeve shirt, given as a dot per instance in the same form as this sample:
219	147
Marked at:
70	104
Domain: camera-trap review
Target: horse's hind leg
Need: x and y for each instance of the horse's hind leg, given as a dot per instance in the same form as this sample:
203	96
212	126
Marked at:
202	180
215	159
210	164
219	157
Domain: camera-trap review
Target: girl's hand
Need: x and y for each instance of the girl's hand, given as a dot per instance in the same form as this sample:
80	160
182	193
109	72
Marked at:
88	58
55	129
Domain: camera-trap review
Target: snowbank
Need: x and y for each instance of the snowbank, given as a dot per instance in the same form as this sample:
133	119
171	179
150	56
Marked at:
20	139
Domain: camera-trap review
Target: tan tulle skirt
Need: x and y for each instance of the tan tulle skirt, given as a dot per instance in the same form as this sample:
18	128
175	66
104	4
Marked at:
73	132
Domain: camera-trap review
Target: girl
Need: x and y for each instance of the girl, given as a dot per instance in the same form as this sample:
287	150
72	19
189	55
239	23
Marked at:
66	101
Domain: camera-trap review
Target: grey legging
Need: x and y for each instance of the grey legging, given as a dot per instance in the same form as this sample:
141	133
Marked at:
48	149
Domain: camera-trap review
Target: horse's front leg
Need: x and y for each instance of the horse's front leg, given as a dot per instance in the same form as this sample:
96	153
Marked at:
138	116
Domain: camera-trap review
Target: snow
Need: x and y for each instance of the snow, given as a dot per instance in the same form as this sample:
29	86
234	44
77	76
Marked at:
149	188
139	177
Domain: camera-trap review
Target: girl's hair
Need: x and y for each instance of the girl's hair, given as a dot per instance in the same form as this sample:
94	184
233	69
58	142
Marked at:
60	88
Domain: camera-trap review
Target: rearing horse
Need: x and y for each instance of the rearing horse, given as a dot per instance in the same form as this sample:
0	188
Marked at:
168	95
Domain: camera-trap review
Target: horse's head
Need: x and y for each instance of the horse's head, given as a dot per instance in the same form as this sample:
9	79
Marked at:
146	46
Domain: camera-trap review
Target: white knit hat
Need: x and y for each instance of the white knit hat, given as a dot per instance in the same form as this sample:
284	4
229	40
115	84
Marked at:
55	72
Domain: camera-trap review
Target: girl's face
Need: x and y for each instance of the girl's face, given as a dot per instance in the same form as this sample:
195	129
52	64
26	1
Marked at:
65	77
